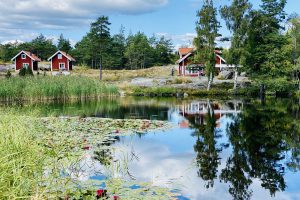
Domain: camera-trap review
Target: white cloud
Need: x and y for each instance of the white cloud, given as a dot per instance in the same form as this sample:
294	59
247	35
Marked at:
59	14
186	40
34	15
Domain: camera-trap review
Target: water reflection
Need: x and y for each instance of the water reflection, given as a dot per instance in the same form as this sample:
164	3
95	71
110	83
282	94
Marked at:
260	137
235	149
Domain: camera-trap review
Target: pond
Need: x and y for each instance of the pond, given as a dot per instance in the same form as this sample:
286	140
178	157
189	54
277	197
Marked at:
229	149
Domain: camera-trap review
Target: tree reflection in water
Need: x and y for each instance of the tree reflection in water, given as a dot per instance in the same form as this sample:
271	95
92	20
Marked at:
205	147
261	137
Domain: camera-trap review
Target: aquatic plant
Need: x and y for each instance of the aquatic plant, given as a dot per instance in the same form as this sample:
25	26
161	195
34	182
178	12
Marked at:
44	157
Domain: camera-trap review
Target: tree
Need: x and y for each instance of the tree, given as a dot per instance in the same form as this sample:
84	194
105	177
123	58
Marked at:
41	46
264	42
236	17
294	33
163	51
64	44
207	31
100	33
138	51
118	45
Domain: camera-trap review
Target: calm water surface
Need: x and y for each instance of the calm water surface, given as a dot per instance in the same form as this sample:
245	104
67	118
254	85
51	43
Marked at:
218	149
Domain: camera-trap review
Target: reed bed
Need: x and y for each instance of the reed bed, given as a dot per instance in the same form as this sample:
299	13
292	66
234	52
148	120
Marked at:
53	88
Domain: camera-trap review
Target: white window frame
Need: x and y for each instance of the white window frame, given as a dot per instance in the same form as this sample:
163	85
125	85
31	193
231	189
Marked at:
62	64
23	56
26	65
59	56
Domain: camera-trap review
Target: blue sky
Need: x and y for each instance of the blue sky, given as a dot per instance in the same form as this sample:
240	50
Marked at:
175	19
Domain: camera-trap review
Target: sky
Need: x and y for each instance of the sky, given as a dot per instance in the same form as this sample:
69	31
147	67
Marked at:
23	20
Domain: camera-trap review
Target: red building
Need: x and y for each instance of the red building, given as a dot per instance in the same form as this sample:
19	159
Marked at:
61	61
26	59
187	68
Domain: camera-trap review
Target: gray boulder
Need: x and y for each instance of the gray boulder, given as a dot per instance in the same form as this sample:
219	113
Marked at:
226	74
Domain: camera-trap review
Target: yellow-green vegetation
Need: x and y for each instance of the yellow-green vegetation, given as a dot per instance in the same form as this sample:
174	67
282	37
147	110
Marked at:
43	157
123	75
53	88
181	80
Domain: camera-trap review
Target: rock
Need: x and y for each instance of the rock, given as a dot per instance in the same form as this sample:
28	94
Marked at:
243	74
226	74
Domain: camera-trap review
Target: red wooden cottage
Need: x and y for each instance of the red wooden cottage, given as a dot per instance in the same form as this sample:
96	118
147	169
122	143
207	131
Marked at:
186	68
61	61
26	59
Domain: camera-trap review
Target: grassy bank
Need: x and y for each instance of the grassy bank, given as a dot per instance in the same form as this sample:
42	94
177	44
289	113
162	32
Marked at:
123	75
53	88
224	89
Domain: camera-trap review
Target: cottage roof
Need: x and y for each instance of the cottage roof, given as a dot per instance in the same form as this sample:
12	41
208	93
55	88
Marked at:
29	54
183	58
184	51
69	57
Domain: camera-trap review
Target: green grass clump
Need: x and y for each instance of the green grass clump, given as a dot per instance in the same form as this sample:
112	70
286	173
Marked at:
53	88
21	159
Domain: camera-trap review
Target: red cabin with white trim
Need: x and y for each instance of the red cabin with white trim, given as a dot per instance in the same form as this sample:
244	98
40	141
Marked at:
186	68
61	61
26	59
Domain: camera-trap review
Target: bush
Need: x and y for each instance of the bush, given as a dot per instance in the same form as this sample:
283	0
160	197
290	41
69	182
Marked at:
29	71
8	74
22	72
25	71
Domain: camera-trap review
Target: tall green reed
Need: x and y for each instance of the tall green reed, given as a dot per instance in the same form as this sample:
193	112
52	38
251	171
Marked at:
53	88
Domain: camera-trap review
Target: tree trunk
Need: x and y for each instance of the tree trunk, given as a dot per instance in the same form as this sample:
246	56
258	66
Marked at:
235	80
209	81
100	67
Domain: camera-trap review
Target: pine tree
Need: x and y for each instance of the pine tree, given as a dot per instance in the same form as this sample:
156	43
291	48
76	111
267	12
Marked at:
64	44
100	32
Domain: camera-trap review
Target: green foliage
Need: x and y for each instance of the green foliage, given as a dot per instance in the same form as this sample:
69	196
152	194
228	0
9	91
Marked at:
64	44
207	31
53	88
26	71
40	46
22	71
265	55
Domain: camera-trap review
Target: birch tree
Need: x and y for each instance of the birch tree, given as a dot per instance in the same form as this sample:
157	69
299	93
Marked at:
236	18
207	31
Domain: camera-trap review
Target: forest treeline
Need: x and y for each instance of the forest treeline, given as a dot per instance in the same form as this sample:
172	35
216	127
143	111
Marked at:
98	46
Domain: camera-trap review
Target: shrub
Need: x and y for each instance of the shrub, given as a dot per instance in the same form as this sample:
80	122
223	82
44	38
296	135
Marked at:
8	74
22	72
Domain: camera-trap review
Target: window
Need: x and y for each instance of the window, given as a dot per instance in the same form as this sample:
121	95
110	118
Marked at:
59	56
25	65
61	65
23	56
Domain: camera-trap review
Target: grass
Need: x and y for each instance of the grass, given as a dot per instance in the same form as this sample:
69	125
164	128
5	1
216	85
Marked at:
21	159
123	75
53	88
